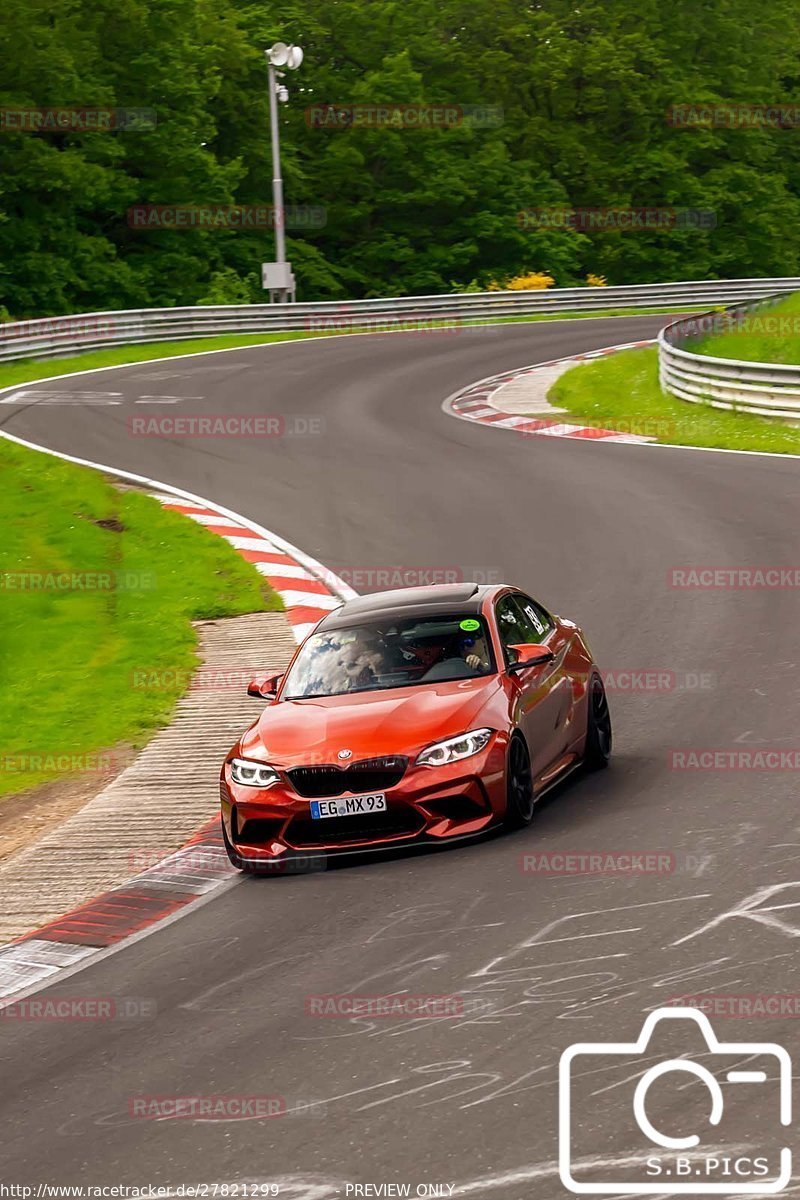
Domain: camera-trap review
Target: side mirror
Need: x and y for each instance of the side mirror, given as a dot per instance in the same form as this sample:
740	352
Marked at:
264	687
530	654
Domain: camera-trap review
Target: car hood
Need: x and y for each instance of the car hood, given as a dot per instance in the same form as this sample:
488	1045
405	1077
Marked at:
369	724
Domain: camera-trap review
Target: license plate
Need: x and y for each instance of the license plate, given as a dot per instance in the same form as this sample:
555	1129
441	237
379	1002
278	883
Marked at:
348	806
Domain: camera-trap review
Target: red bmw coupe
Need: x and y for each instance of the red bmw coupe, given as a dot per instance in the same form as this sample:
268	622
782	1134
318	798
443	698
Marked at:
423	715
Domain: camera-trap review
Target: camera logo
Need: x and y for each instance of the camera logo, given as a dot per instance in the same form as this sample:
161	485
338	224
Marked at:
673	1165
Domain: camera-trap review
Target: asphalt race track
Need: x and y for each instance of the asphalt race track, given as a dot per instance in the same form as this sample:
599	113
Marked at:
593	530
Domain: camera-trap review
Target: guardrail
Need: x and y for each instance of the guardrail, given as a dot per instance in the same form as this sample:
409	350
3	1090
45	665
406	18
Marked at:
766	389
53	336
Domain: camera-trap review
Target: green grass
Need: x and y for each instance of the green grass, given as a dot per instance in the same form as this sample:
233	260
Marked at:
68	657
622	392
28	370
758	337
605	312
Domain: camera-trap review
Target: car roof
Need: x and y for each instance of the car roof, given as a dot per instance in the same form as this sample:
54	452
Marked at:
439	600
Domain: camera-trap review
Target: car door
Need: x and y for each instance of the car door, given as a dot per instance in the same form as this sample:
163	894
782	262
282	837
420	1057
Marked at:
545	695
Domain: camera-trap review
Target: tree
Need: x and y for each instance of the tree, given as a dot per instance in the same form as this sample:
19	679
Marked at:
578	96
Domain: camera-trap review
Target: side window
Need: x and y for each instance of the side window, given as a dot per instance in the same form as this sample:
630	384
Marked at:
513	626
536	618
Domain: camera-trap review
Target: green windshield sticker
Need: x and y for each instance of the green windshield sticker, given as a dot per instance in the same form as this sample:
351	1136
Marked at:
469	626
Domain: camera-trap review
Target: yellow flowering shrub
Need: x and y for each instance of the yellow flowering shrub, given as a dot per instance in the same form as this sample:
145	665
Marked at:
534	281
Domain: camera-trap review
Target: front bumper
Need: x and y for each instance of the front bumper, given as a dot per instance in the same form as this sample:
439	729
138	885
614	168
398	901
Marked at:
428	805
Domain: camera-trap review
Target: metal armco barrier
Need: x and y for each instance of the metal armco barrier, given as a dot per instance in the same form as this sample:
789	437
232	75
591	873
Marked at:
52	336
766	389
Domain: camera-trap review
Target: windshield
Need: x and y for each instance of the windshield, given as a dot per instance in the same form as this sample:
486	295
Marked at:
381	654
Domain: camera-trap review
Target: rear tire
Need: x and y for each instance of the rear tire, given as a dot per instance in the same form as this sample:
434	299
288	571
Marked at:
598	727
520	800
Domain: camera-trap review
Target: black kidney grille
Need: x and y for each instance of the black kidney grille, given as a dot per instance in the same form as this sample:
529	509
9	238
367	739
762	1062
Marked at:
371	775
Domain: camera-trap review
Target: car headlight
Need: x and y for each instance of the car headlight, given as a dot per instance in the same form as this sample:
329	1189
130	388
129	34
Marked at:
253	774
455	748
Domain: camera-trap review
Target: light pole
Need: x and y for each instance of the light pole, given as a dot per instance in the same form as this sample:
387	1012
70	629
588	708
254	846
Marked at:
277	276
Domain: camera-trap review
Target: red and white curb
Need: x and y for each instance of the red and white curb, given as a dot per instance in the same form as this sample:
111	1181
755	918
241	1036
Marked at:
307	589
201	867
95	927
473	403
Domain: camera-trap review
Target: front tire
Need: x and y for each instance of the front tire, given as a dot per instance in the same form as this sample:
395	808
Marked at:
598	727
520	800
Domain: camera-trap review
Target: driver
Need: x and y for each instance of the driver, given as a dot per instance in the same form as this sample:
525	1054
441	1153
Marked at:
474	652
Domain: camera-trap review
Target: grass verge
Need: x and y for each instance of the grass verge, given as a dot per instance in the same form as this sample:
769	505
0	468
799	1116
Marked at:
622	392
138	575
770	335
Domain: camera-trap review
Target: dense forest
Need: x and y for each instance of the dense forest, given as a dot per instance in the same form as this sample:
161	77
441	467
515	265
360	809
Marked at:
564	104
